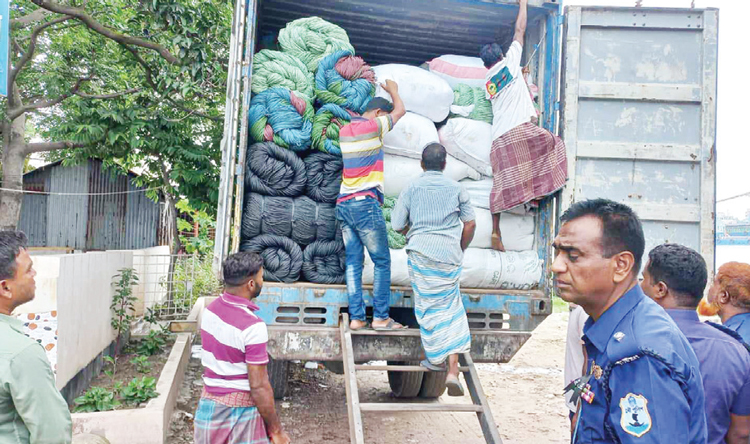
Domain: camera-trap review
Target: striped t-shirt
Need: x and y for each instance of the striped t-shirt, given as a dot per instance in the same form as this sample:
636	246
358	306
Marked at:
233	336
361	144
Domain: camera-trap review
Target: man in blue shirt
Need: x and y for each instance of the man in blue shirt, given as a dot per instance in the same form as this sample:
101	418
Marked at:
730	291
675	278
642	382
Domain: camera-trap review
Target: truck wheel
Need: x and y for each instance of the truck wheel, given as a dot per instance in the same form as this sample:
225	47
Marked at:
405	384
433	385
278	372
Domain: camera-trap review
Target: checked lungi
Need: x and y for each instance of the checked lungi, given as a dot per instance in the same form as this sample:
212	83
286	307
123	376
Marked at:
230	419
438	307
528	163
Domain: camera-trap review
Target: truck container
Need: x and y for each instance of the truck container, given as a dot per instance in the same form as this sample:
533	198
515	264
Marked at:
631	90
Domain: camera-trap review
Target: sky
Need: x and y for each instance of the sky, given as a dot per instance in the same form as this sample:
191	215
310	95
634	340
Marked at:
733	148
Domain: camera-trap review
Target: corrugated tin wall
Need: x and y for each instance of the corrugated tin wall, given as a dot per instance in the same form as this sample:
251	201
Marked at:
141	220
67	214
106	213
33	220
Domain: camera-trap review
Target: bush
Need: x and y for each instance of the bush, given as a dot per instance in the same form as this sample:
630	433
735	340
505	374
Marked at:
96	399
194	277
140	390
141	364
151	344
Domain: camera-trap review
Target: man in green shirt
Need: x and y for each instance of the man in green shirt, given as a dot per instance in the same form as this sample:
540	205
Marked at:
32	411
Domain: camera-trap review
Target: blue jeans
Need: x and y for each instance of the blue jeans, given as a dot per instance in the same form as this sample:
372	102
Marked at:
363	225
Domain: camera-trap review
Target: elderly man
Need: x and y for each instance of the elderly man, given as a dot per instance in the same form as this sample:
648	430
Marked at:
675	278
643	382
435	214
729	297
31	408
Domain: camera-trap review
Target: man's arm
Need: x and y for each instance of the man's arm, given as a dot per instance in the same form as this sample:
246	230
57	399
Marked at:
399	109
467	235
262	394
37	400
739	430
400	214
467	216
521	22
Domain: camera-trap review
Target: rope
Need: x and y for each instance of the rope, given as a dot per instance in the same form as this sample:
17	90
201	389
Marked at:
301	219
278	69
282	258
396	241
311	39
45	193
274	171
345	80
280	116
465	95
327	122
324	262
323	177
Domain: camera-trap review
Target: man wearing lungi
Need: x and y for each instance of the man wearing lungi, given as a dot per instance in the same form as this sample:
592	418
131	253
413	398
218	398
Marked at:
236	406
435	215
528	162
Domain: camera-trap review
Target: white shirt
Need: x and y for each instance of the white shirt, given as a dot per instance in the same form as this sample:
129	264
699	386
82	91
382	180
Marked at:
574	350
507	90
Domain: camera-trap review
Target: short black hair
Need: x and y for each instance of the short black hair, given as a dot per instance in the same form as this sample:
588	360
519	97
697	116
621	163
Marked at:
11	244
621	228
240	268
433	157
491	54
682	269
379	103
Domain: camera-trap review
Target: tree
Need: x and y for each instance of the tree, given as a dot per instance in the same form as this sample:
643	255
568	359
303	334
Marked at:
133	83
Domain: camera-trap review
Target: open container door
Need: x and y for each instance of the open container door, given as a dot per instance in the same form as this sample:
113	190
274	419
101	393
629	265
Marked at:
639	117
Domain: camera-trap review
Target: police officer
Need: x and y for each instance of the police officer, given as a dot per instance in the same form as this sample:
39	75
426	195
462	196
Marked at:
642	382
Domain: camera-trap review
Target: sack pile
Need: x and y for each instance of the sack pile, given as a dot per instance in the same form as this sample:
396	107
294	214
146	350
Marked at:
303	95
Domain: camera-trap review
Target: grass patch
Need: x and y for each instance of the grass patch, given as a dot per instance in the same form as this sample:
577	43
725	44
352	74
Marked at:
559	306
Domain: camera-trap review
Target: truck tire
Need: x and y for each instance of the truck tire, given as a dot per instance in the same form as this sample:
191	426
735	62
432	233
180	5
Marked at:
405	384
278	375
433	385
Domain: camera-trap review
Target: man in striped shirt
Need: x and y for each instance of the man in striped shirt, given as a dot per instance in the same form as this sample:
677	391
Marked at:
237	403
358	206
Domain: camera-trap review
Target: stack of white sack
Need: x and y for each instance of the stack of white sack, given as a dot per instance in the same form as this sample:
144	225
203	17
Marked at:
423	92
517	230
469	141
486	269
457	69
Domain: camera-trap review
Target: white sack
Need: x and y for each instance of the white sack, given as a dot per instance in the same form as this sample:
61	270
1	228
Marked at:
422	91
399	269
400	170
469	141
517	230
479	194
457	69
411	133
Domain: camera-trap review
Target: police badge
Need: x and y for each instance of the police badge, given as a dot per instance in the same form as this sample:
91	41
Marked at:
634	418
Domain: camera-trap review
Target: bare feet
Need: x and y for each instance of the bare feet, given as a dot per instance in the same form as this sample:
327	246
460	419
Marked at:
357	325
497	242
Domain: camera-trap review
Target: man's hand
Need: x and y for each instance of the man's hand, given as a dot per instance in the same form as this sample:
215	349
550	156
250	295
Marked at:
390	87
279	438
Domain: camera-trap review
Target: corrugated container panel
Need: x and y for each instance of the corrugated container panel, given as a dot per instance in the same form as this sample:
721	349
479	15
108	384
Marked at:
34	219
141	220
409	32
67	214
106	213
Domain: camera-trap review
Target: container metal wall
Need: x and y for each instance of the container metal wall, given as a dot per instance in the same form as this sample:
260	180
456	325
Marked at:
640	117
67	214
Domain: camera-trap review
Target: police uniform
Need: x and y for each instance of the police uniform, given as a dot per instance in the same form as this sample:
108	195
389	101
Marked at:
644	383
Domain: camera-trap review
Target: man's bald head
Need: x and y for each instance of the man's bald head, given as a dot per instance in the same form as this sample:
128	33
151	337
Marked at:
433	157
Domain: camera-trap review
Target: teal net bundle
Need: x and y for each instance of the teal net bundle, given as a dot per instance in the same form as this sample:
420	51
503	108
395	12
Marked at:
465	95
282	258
324	262
311	39
280	116
327	123
396	241
301	219
274	171
345	80
278	69
323	177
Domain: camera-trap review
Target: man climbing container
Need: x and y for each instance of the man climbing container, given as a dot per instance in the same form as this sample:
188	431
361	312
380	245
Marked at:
528	162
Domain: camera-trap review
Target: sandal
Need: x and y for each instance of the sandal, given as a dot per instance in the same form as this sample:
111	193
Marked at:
392	325
454	387
432	367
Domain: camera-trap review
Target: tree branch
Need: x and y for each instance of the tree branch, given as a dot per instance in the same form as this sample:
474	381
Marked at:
43	147
32	46
107	96
28	19
97	27
15	112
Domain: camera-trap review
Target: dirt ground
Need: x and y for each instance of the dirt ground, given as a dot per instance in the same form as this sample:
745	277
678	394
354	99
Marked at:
524	394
